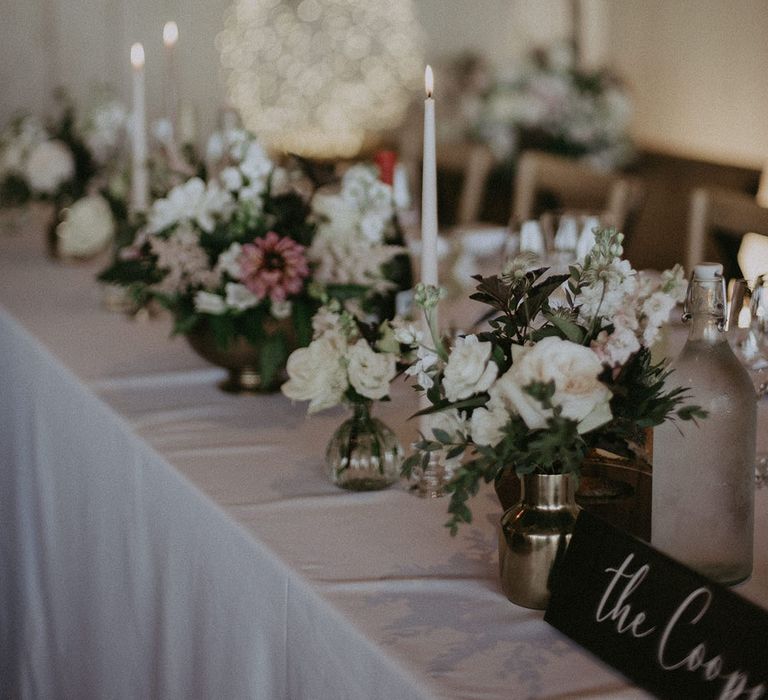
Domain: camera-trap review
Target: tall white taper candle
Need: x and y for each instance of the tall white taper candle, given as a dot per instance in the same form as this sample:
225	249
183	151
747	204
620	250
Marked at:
170	37
428	216
429	188
139	173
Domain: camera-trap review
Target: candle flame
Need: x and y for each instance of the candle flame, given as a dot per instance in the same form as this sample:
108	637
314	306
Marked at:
170	34
137	56
429	81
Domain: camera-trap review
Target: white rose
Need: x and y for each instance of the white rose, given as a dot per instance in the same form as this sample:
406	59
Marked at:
87	228
316	374
240	297
370	372
574	370
486	425
469	369
48	166
207	303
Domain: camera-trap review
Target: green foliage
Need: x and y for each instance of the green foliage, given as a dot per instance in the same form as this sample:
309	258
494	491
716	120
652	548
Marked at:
521	314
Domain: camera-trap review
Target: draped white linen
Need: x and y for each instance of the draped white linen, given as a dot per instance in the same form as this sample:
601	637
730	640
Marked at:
161	539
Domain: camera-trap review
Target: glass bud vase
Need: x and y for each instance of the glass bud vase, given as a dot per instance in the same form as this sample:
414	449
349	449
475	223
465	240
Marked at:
534	536
363	454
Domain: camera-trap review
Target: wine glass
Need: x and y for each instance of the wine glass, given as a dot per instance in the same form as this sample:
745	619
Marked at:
747	328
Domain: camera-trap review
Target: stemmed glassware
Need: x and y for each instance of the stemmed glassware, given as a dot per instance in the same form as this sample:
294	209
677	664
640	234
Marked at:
748	337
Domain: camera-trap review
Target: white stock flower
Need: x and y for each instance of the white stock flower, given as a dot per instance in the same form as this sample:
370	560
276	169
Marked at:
48	166
214	149
407	332
370	372
656	309
190	201
326	322
208	303
372	227
256	164
316	374
87	228
231	178
469	369
162	130
281	309
228	261
574	370
239	296
424	368
616	348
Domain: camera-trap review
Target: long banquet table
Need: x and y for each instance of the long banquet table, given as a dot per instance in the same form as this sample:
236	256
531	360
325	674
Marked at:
162	539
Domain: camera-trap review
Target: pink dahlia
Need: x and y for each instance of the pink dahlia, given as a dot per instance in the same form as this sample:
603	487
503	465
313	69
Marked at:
273	267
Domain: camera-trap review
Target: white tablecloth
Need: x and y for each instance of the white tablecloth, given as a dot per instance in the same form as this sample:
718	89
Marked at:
161	539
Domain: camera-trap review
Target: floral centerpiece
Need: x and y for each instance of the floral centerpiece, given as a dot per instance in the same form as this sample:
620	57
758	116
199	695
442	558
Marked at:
551	104
242	258
358	250
560	372
351	361
564	369
73	163
228	258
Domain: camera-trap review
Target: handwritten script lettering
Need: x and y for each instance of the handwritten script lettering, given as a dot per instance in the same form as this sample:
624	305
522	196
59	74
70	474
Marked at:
615	607
621	610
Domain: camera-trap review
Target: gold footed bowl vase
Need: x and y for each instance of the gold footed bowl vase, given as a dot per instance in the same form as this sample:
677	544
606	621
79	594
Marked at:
241	358
535	532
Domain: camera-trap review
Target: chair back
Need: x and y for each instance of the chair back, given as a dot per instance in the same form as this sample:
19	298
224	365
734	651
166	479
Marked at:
574	185
474	161
717	221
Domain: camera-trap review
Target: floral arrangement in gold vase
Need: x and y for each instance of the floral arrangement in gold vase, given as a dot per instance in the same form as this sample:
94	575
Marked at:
242	256
564	369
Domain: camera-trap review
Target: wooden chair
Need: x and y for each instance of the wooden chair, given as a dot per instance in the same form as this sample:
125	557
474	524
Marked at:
718	219
474	161
570	184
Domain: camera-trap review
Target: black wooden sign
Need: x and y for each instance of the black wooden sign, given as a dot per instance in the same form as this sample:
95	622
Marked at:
667	628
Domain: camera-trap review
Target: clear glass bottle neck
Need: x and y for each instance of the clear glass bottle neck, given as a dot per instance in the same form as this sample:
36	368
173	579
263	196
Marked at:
704	310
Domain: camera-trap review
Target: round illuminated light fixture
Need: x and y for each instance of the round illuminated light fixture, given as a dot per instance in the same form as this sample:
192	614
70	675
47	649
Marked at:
313	77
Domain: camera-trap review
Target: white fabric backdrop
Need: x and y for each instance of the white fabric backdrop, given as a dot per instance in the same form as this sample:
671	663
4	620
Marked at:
162	539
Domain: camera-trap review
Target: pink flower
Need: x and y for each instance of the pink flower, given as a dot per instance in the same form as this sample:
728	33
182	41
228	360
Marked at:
273	267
